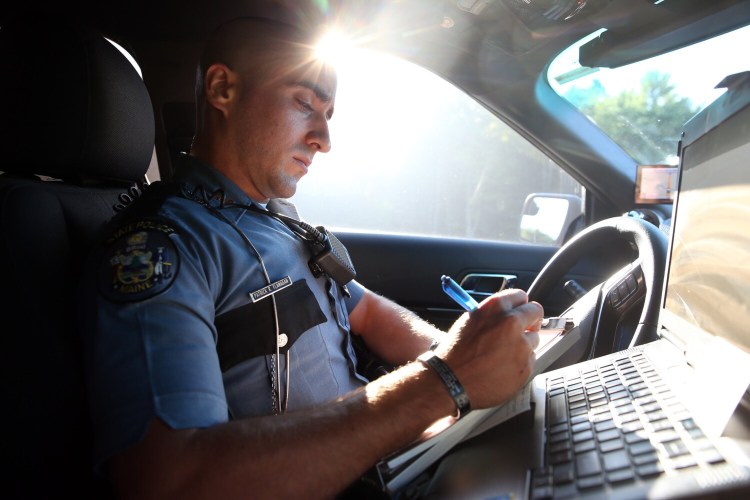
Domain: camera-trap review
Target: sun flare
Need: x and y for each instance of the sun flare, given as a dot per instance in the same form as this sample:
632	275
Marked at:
334	48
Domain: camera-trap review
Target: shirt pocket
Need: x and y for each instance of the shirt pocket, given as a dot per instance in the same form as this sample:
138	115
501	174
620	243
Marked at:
249	331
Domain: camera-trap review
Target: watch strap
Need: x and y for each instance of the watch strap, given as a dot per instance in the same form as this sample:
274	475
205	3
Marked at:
454	387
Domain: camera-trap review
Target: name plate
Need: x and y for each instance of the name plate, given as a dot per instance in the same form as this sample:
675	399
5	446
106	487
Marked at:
269	290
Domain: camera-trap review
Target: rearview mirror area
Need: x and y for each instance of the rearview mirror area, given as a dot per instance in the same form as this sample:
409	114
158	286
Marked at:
547	217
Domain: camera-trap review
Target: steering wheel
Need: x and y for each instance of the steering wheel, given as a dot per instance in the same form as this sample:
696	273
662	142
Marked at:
601	310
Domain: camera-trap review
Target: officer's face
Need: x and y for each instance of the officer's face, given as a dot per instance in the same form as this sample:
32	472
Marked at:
284	123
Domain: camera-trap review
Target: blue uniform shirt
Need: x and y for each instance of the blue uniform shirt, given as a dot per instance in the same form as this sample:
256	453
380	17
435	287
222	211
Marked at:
170	328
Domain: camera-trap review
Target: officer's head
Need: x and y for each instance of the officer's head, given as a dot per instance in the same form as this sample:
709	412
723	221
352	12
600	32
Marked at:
263	105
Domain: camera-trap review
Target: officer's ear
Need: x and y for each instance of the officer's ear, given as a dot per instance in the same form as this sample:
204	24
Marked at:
220	86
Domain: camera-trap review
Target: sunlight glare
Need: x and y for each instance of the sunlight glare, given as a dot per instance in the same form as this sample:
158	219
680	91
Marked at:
334	48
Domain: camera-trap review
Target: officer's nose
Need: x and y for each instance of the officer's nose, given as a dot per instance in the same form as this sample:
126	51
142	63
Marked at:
319	137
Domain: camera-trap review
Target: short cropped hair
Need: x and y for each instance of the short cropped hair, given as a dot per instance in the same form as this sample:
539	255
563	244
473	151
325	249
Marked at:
253	47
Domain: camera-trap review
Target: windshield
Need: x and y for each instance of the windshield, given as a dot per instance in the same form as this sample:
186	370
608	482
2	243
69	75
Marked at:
642	106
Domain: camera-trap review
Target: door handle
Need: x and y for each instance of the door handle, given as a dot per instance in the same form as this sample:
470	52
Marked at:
483	285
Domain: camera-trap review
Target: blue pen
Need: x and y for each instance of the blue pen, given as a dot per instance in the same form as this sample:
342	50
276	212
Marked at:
458	294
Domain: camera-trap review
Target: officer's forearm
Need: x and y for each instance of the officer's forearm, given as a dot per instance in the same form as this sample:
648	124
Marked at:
310	454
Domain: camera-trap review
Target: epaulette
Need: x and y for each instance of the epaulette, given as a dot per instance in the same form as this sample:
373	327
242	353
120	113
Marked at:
148	202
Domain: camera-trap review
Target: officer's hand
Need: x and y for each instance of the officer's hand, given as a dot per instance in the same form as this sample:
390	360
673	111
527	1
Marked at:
491	350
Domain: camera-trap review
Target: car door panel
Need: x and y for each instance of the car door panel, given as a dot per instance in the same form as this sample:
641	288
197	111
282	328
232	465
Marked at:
407	269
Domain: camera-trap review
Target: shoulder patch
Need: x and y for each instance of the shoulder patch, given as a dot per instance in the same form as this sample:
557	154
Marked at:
139	261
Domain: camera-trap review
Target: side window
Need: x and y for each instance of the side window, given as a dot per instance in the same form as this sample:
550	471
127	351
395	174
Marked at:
413	154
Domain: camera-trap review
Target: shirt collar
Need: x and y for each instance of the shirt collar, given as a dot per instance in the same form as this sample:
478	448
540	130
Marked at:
193	171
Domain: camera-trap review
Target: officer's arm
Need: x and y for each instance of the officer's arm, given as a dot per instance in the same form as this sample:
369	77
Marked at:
390	331
318	452
307	454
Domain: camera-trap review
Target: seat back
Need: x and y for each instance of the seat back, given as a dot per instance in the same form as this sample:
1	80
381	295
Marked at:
76	130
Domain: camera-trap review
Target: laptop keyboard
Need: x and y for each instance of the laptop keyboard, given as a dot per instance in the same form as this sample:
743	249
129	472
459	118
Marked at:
613	423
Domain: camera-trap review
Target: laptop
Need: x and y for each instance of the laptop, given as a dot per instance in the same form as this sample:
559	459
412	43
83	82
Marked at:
670	418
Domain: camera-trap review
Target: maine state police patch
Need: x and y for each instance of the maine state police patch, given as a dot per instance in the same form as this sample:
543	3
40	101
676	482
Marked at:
139	261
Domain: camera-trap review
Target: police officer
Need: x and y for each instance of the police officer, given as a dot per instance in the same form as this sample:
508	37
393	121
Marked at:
220	361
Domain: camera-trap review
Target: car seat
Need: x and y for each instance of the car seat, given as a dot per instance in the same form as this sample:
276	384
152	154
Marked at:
77	133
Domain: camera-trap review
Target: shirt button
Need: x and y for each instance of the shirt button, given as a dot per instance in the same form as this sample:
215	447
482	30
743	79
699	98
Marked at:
282	340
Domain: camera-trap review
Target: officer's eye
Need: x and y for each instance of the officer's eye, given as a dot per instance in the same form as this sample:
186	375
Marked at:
305	105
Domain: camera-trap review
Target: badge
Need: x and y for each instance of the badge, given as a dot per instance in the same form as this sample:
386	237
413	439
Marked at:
140	261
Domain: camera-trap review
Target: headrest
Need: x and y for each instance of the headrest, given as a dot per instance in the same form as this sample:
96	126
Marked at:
72	106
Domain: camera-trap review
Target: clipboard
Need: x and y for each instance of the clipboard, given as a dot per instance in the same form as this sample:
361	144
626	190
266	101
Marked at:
401	467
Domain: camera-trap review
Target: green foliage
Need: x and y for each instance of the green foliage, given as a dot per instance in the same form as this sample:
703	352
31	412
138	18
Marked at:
646	122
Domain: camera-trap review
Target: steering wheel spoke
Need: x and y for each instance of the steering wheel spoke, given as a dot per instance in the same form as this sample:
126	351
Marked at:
620	293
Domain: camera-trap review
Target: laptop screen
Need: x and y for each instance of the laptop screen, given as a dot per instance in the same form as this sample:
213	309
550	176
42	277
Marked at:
708	283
